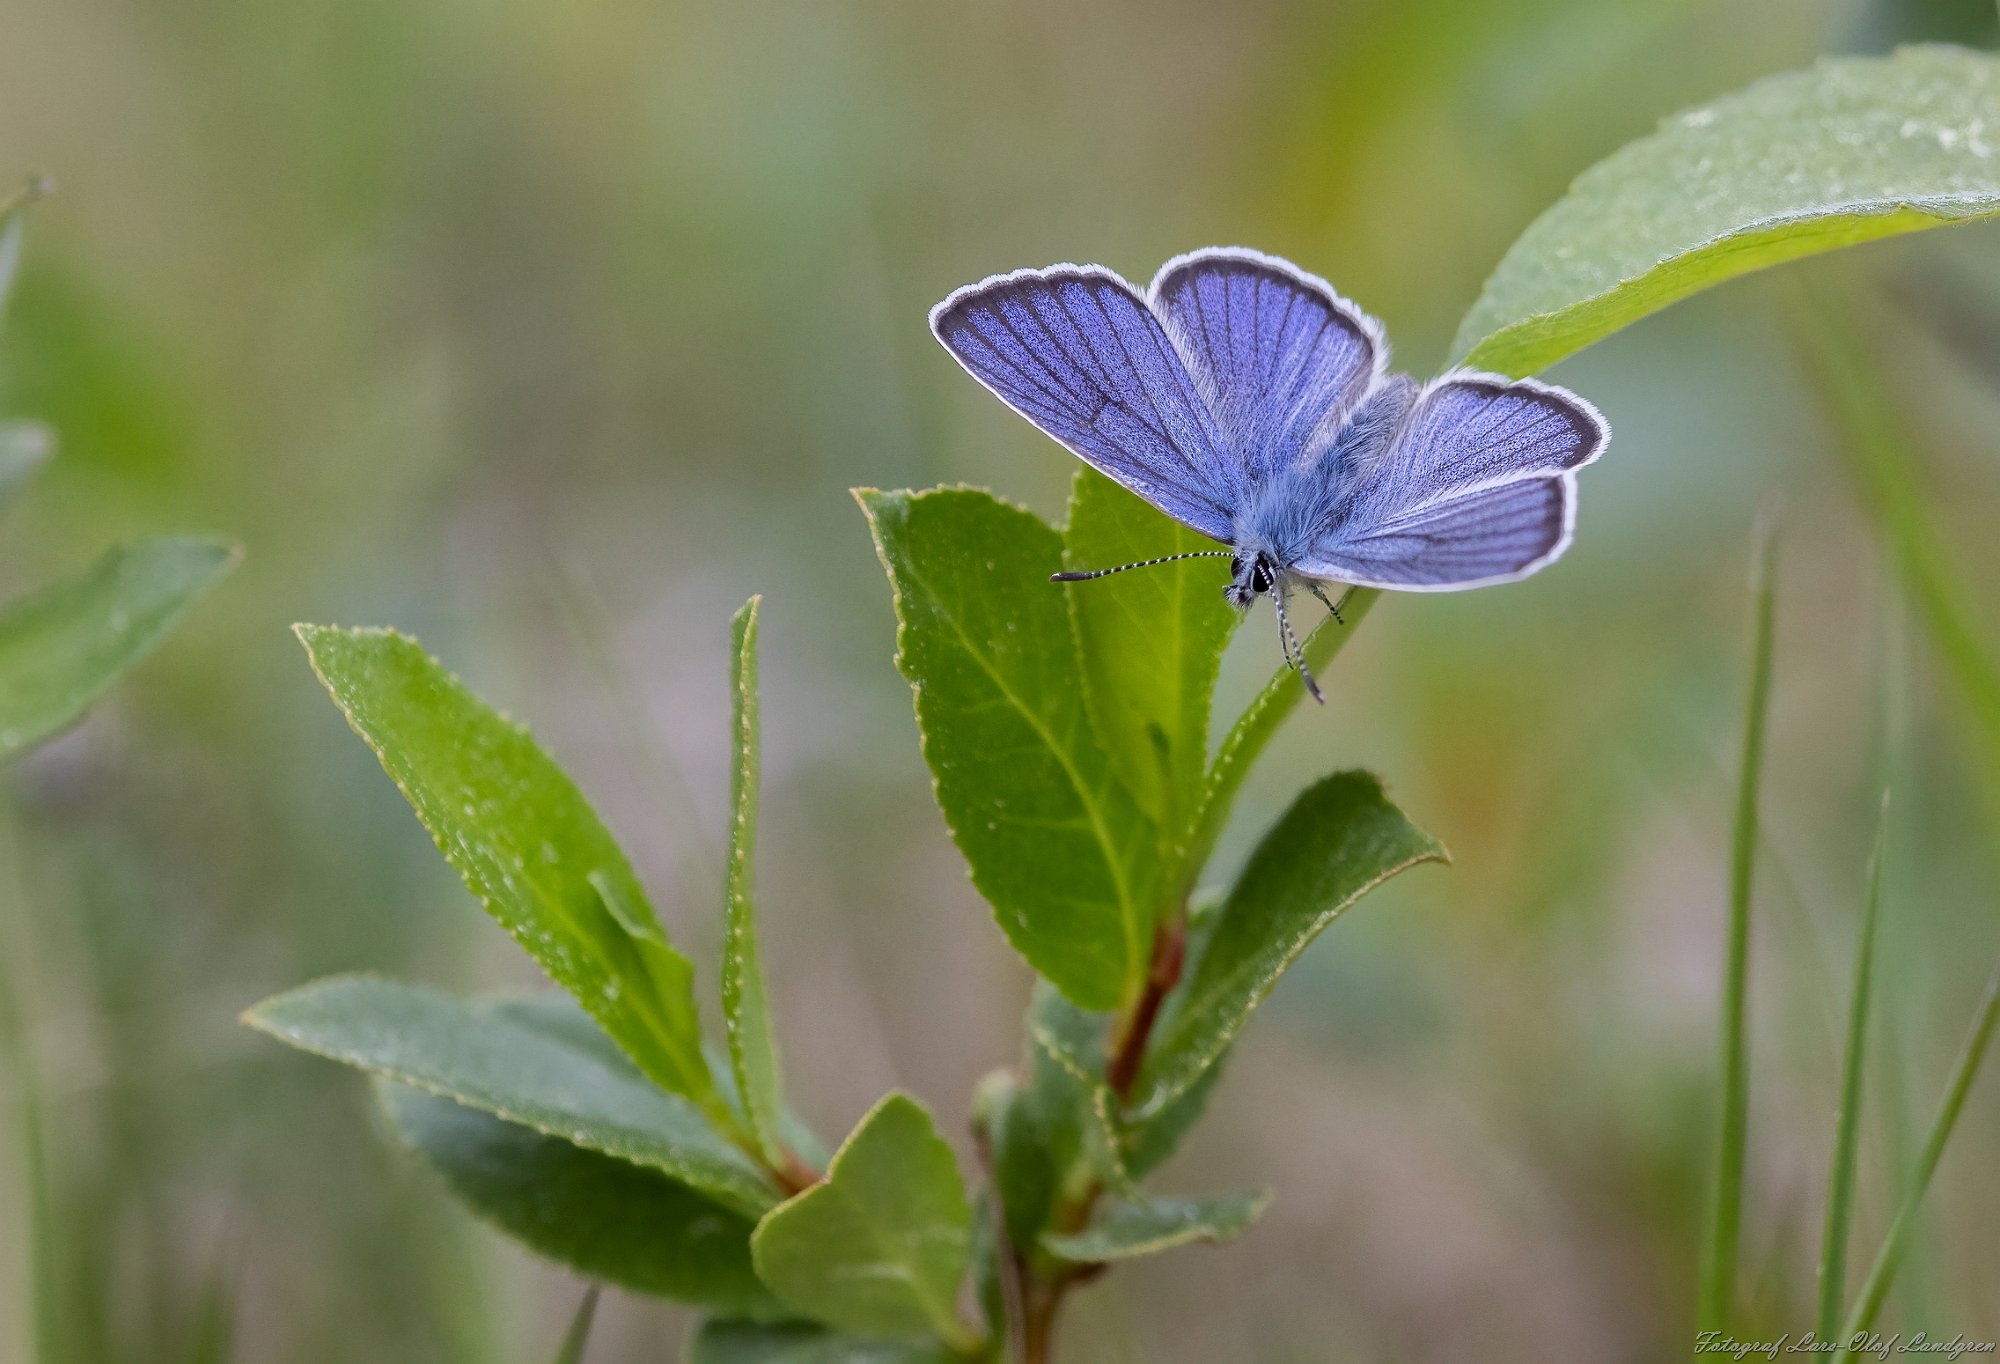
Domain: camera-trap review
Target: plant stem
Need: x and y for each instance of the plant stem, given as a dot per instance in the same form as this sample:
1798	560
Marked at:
1169	956
794	1174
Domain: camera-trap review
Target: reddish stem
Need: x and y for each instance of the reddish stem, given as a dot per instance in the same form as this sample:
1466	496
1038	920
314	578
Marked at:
794	1175
1162	974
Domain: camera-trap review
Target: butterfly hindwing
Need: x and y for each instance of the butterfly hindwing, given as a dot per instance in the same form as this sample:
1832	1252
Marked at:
1076	351
1476	486
1281	357
1246	399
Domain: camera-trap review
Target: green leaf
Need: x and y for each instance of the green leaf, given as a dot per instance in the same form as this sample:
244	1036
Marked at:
1340	839
1055	842
1124	1231
753	1052
792	1342
24	448
1151	643
63	646
879	1248
503	1060
1725	1216
1849	151
607	1219
1038	1133
528	845
1145	1142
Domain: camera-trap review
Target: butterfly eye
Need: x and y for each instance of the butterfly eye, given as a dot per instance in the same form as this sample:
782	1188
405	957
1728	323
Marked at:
1260	577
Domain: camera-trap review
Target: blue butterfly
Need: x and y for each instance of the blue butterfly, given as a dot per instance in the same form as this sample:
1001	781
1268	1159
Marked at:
1250	402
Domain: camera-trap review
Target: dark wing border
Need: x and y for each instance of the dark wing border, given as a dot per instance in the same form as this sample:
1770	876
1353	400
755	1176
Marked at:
1367	323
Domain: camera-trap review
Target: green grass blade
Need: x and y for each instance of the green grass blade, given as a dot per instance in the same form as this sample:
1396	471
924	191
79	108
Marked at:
1847	1127
1875	438
212	1332
1718	1273
1882	1275
578	1334
44	1332
1879	441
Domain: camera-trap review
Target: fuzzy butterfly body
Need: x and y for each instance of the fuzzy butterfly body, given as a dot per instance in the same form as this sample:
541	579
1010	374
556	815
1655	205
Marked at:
1247	400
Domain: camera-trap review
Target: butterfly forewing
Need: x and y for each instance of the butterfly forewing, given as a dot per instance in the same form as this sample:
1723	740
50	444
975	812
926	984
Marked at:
1236	398
1280	356
1077	352
1477	486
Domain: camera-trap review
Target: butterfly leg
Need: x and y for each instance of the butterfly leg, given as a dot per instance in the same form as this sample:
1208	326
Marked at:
1294	655
1332	607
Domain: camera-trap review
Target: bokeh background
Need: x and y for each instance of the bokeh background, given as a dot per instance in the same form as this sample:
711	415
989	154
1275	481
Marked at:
552	332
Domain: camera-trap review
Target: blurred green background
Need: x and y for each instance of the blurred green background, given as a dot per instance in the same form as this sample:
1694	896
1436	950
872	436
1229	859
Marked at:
552	332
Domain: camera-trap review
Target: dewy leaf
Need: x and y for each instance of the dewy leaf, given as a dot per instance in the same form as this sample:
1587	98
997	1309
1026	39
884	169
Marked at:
1853	149
608	1219
879	1248
24	448
1123	1231
793	1342
528	845
1055	842
753	1053
1340	839
505	1060
1151	642
63	646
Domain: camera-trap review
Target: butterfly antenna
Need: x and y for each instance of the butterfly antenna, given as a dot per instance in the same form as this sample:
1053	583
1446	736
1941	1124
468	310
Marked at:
1332	606
1294	655
1143	563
